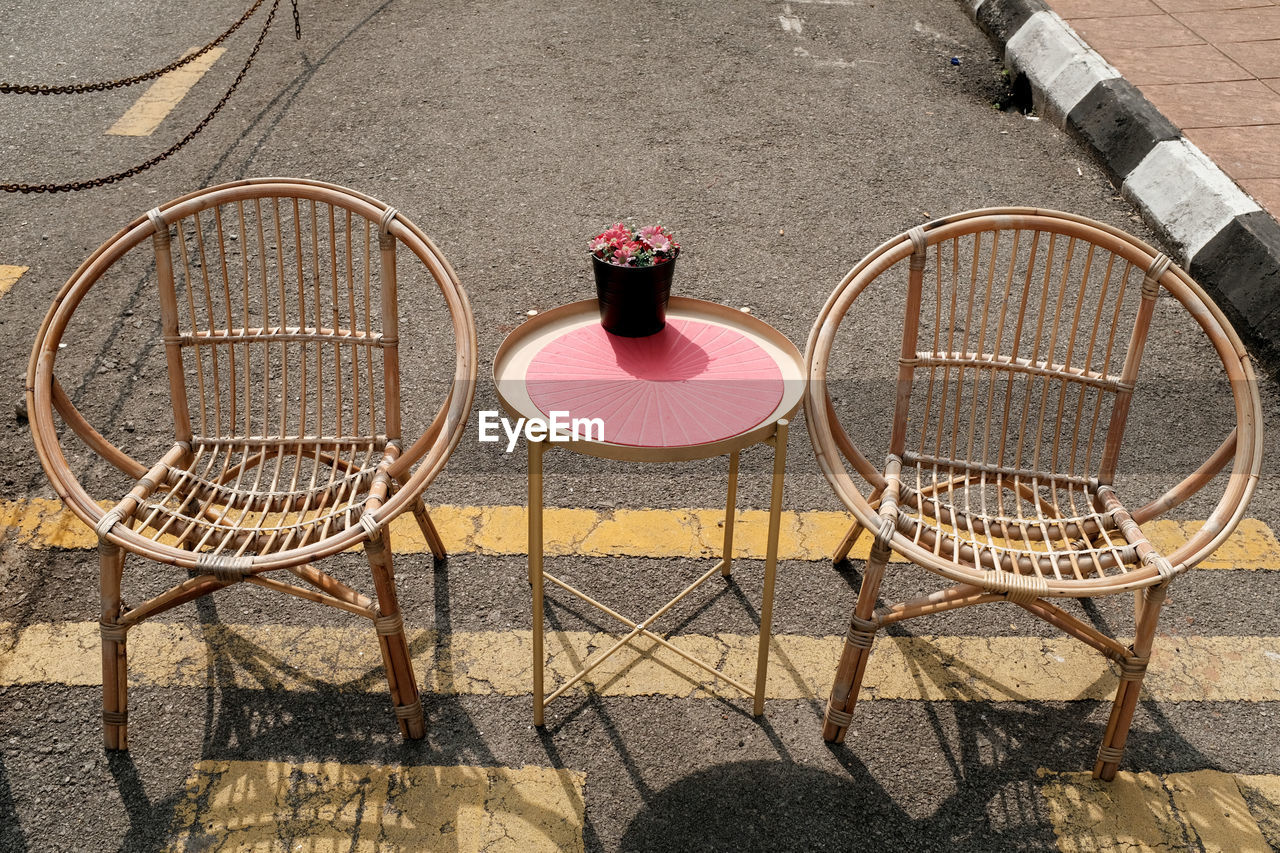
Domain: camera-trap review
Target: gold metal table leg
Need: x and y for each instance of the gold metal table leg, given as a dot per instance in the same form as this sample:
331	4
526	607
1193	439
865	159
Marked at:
770	563
536	449
730	511
537	580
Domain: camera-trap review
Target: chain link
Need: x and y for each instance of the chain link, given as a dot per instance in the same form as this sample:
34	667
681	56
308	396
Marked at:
164	155
297	22
107	85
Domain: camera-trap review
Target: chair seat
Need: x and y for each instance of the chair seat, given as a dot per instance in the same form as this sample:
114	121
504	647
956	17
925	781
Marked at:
1025	524
246	497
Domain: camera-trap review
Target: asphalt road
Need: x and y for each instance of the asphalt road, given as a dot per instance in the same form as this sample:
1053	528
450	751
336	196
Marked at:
780	143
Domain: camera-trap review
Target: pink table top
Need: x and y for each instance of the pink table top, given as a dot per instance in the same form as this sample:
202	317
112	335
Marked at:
692	383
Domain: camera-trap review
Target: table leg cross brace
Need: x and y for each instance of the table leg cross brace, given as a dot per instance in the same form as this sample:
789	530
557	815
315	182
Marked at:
640	630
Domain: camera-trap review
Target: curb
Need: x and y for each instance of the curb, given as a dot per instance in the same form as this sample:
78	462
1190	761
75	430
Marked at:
1218	233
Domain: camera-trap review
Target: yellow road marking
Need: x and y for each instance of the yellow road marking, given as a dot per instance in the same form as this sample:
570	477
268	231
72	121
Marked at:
9	276
162	96
322	806
992	669
1262	794
1200	810
501	530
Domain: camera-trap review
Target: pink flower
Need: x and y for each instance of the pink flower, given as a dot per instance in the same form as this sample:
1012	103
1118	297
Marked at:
654	237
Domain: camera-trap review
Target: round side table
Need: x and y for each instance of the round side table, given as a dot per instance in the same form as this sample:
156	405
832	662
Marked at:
711	383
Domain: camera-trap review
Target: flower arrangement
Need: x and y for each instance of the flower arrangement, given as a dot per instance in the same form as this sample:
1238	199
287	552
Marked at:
623	246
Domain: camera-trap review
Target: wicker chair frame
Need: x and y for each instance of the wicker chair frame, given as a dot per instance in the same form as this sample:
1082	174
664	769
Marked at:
287	436
1012	392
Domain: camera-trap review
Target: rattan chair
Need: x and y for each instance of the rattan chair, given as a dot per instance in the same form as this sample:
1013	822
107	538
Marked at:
278	321
1021	342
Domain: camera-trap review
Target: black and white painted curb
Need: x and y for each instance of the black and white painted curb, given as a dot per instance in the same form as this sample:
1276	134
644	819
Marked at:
1218	233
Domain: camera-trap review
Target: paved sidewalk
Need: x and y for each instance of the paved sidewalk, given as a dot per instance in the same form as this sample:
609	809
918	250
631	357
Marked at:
1211	66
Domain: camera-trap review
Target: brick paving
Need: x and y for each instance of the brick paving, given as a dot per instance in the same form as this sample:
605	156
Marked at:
1211	66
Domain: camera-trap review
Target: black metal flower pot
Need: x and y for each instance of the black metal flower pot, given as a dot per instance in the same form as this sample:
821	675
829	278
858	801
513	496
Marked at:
633	300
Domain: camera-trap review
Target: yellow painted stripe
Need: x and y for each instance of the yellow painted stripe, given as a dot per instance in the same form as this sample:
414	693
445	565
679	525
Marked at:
9	276
501	530
992	669
322	806
1201	810
162	96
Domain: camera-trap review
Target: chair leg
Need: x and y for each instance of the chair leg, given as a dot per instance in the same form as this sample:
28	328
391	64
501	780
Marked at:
391	637
115	670
857	648
1132	670
428	528
846	544
854	532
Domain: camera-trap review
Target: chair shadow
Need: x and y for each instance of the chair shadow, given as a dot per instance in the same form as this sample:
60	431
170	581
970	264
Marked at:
993	751
779	804
322	722
11	834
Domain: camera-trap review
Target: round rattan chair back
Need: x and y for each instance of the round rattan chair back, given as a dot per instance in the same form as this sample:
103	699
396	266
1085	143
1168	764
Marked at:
1020	356
279	316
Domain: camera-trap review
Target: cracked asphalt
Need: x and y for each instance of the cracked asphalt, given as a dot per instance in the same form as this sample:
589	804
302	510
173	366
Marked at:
780	142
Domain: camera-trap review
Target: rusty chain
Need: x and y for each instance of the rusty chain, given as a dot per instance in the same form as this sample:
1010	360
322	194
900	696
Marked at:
107	85
173	149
